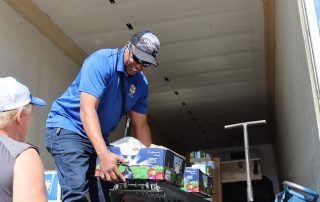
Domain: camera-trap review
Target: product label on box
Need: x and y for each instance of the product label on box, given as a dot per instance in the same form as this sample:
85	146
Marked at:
191	180
145	156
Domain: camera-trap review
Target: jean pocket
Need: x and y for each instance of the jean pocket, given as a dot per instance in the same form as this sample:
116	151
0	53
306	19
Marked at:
48	140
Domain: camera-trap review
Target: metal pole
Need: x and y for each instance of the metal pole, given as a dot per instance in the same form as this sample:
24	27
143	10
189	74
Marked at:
127	129
247	156
247	153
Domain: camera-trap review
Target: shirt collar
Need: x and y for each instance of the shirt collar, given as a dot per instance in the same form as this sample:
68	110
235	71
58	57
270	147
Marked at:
120	62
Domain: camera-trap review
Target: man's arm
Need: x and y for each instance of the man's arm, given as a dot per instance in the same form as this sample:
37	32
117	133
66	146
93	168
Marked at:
28	178
140	127
91	124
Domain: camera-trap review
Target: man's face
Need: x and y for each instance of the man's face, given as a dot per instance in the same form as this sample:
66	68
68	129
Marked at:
133	64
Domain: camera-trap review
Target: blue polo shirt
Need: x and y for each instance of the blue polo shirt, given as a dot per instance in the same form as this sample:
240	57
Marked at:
100	77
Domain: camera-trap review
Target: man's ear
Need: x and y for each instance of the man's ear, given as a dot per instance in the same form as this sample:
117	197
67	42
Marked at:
129	44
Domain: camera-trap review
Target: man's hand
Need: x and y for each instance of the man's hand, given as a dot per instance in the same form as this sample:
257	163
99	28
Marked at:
109	165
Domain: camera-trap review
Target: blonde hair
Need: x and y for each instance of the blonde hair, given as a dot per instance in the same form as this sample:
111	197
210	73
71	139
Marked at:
7	117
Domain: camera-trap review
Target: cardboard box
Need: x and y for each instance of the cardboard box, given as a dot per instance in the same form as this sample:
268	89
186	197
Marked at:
235	171
196	181
150	163
203	167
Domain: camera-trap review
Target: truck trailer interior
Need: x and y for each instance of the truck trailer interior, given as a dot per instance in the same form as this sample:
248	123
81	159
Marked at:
221	62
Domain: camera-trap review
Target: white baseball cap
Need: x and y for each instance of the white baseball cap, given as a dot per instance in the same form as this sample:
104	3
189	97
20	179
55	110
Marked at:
14	94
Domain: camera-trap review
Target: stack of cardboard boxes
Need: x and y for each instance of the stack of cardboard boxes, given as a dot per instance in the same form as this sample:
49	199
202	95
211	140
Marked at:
203	176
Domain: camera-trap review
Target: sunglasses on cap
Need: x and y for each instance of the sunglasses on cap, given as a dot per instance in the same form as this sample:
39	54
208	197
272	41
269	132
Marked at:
137	60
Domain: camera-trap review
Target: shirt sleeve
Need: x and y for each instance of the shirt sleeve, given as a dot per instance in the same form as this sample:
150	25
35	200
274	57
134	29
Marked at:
95	74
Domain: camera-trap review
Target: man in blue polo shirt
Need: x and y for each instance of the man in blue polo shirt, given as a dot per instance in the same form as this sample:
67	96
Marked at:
110	84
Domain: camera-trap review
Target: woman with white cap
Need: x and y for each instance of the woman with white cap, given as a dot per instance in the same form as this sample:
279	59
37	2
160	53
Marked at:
21	169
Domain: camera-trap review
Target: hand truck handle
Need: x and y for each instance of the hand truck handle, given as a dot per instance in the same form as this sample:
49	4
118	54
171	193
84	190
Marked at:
245	124
308	191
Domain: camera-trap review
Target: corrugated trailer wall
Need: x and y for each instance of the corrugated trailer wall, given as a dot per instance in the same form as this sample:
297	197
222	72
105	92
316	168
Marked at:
297	110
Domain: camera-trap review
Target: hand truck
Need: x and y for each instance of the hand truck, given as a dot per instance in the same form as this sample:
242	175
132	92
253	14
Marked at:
153	191
247	153
296	193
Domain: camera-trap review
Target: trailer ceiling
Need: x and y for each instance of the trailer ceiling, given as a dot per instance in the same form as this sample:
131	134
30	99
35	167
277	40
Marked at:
213	68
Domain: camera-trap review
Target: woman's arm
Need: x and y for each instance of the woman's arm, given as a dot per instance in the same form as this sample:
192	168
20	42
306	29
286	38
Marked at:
28	178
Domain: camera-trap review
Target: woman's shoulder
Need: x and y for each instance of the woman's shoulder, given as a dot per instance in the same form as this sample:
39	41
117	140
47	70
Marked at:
15	147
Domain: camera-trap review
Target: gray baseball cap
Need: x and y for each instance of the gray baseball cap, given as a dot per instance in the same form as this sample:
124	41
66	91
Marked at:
145	46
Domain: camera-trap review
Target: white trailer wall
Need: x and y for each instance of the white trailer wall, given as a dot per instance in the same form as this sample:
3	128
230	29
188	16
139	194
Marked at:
30	57
297	136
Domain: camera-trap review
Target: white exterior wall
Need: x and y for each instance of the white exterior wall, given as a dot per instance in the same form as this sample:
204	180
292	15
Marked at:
30	57
297	136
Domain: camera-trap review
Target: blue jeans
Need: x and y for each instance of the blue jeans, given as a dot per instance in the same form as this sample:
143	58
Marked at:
75	160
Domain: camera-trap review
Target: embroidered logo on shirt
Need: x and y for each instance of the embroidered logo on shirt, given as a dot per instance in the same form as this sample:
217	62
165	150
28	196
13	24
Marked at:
132	90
